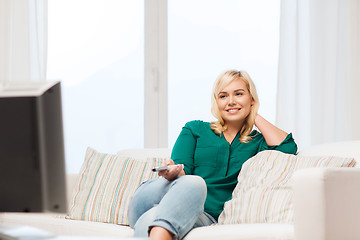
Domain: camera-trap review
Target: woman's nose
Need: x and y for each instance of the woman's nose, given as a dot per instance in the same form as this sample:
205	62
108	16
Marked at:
231	100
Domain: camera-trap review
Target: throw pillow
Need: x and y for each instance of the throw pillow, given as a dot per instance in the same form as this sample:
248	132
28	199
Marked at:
264	193
106	184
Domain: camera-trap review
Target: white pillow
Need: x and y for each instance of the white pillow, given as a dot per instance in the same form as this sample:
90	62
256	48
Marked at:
264	190
144	153
106	184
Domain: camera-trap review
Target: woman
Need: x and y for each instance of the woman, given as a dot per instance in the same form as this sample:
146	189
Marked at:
212	155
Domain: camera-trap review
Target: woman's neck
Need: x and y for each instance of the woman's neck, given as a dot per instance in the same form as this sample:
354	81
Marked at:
231	132
234	127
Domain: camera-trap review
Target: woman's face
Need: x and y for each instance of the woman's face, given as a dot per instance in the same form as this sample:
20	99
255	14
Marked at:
234	102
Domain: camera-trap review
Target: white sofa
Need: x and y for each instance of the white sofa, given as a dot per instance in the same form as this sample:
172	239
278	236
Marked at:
326	207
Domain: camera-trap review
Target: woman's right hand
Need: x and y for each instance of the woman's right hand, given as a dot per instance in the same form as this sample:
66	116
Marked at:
173	173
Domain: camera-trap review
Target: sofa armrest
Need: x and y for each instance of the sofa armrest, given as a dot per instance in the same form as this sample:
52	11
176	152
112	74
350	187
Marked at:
327	204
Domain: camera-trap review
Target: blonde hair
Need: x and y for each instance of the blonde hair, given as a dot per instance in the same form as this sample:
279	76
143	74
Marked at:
221	82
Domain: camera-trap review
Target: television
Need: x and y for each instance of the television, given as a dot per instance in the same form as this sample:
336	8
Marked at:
32	159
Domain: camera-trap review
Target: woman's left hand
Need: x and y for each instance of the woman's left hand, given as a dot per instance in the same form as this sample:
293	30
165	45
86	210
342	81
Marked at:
272	134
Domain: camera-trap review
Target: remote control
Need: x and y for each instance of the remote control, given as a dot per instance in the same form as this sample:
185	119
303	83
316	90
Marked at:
163	168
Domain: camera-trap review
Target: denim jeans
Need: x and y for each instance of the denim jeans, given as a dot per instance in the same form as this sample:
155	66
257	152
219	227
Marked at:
177	206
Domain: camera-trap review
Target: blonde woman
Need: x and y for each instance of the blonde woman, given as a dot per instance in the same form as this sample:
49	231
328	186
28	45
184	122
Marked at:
212	155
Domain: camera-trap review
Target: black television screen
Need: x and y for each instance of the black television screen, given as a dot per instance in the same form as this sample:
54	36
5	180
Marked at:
32	170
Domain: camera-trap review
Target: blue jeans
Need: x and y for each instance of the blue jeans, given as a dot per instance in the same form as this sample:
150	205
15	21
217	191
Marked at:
177	206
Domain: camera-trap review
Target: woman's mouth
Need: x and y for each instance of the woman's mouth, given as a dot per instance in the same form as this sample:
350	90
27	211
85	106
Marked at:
233	110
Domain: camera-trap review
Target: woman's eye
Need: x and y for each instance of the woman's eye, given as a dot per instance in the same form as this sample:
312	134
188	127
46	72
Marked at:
239	94
222	96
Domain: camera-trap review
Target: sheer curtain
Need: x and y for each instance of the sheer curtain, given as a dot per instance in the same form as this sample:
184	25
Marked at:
23	40
319	73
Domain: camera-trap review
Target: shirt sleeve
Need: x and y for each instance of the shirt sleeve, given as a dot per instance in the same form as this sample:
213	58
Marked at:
184	149
288	145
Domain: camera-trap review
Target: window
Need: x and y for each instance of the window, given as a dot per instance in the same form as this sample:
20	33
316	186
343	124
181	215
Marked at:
96	50
207	37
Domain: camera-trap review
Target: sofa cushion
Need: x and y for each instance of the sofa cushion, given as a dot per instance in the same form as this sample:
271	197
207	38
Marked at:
243	232
106	184
340	149
264	190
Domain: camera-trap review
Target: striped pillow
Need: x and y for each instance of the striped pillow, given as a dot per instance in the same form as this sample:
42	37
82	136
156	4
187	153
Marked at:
263	193
106	184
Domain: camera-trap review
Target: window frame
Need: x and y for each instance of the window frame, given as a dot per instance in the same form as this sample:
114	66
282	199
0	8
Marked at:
156	74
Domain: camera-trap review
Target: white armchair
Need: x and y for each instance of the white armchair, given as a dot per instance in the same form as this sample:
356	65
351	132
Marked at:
326	204
327	200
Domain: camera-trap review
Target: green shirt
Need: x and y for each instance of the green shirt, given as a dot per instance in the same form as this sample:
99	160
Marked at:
210	156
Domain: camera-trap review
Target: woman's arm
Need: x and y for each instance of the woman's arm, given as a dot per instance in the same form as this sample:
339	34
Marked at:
272	134
182	153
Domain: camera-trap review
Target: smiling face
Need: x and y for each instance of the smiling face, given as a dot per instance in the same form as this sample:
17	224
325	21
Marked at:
234	102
